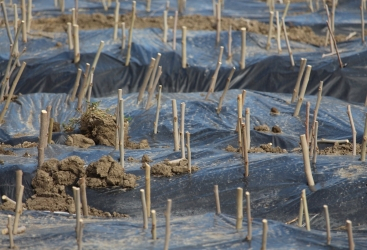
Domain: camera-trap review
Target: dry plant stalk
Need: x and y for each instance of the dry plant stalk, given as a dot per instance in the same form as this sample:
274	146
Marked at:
336	47
6	198
165	26
95	61
188	150
42	138
24	24
239	215
270	34
350	235
147	188
76	192
327	222
299	78
80	234
229	78
316	112
307	122
18	181
221	49
214	2
144	207
50	128
15	24
278	32
154	225
300	213
158	109
265	233
118	125
286	9
83	196
249	219
303	90
76	10
70	36
245	150
287	42
213	81
184	62
168	225
29	16
10	231
116	23
90	87
131	34
18	209
316	130
76	43
84	85
239	117
152	89
121	132
175	31
328	37
243	97
364	141
175	125
3	8
305	208
333	7
76	85
230	42
73	20
217	201
147	8
354	132
243	48
105	7
248	135
306	161
219	28
182	130
146	80
123	36
362	23
154	73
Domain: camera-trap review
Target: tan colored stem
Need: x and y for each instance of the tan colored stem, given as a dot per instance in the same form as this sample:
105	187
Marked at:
265	233
248	135
118	125
147	76
316	130
303	90
131	34
316	111
18	181
24	24
116	23
305	207
364	141
300	213
165	26
188	150
6	198
80	234
336	47
245	150
213	81
5	16
327	222
10	231
350	235
18	209
153	77
230	42
278	32
182	130
76	44
123	36
175	125
83	196
175	31
84	85
306	161
239	116
70	36
299	78
158	109
147	188
168	225
154	225
229	78
307	122
270	33
287	42
219	28
29	16
147	8
50	128
249	218
221	49
76	192
286	9
76	85
151	91
144	207
362	23
354	132
243	48
239	216
217	201
121	132
184	62
42	138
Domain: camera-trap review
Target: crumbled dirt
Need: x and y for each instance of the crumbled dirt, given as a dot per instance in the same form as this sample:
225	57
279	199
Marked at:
267	148
274	111
26	144
146	159
262	128
232	149
9	206
195	22
341	149
56	127
352	172
169	168
276	129
4	151
13	97
79	140
26	154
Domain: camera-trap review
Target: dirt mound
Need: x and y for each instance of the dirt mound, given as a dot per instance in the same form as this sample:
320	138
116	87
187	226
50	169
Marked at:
169	168
340	149
267	148
4	151
79	140
276	129
263	128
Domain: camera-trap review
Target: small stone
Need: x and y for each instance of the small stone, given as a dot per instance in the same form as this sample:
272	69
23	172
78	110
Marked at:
274	111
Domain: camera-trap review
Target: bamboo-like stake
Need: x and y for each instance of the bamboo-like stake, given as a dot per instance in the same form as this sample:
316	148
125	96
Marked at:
175	125
18	209
217	201
6	198
90	88
354	132
364	141
122	132
144	207
286	9
300	213
229	78
24	18
95	61
188	150
70	36
175	31
105	7
316	111
306	161
305	208
147	8
182	130
29	16
76	11
247	120
336	47
315	142
333	141
184	62
15	25
10	231
50	128
249	219
327	222
154	225
15	82
303	90
147	188
350	235
213	81
123	36
328	36
299	78
131	34
362	22
154	72
265	233
80	234
239	116
168	225
84	85
76	192
278	32
42	138
151	91
333	7
243	97
230	42
158	109
18	181
307	122
118	125
62	7
245	150
221	49
214	2
287	42
76	85
116	23
73	20
76	44
165	26
83	197
243	48
219	28
270	34
239	216
146	80
5	16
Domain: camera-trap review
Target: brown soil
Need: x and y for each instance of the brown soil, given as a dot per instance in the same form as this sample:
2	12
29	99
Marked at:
169	168
232	149
263	128
4	151
274	111
340	149
78	140
146	159
276	129
26	144
194	22
56	127
264	148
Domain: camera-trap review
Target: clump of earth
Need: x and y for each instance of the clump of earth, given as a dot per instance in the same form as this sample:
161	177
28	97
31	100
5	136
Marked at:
340	149
263	128
170	168
79	140
263	148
